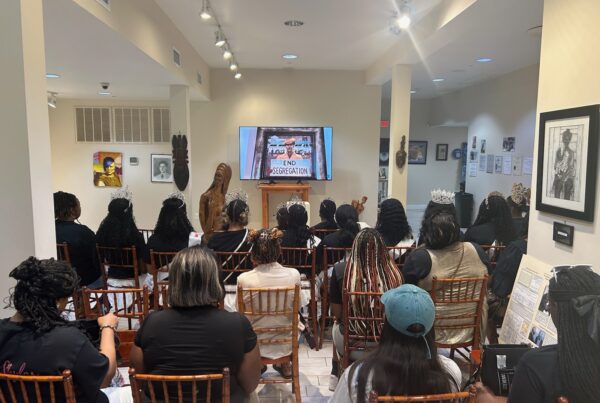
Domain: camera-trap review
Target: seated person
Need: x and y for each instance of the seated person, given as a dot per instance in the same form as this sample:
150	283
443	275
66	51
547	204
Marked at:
517	203
406	362
193	336
327	211
493	224
369	269
36	340
118	229
282	217
393	225
173	228
444	256
442	201
346	217
297	234
570	368
81	239
266	250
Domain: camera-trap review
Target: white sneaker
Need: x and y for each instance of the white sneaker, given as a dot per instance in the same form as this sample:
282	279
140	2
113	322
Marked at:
333	381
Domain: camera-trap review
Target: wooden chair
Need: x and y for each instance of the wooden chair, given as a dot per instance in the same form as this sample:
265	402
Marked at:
74	306
179	388
233	264
122	258
40	389
493	252
304	259
322	233
330	257
146	233
399	254
368	338
160	262
457	397
261	303
130	305
459	305
62	252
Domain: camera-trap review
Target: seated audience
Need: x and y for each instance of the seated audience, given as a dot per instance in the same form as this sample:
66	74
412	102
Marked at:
297	234
517	203
282	217
266	250
118	229
36	340
393	225
445	256
369	268
441	201
81	239
327	210
493	224
570	368
173	227
406	362
193	336
346	217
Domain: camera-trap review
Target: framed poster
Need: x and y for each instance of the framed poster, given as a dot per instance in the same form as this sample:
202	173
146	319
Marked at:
108	169
417	152
161	166
441	152
567	158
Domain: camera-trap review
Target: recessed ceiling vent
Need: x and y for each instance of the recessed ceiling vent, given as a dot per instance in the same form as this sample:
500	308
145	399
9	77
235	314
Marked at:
176	57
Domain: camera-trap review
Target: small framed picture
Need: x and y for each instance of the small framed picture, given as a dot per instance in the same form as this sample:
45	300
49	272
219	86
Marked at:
161	167
441	152
417	152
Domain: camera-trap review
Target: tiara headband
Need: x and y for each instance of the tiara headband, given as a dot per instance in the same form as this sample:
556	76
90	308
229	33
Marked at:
237	194
122	193
177	195
440	196
492	194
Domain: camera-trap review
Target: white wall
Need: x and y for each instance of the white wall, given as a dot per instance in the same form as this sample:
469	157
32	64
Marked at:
435	174
504	107
72	167
568	78
296	98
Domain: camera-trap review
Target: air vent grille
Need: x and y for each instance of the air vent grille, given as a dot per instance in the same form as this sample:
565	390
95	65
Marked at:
161	125
132	125
93	124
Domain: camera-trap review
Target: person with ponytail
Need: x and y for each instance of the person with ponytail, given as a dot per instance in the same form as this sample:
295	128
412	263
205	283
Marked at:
327	214
36	340
266	250
346	218
80	239
569	369
173	227
405	363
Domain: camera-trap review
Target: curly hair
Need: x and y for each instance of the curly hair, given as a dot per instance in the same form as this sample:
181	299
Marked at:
39	284
266	245
118	229
494	209
432	209
392	223
173	223
237	211
63	204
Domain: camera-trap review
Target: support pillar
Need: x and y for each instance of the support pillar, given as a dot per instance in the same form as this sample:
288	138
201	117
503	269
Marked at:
399	126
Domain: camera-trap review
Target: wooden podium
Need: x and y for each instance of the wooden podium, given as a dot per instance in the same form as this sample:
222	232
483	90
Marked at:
301	189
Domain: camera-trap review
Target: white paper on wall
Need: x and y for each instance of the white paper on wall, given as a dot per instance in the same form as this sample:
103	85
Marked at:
507	165
498	164
490	164
527	166
517	164
482	162
472	169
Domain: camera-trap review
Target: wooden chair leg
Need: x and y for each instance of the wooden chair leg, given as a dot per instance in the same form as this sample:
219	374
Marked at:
324	314
313	315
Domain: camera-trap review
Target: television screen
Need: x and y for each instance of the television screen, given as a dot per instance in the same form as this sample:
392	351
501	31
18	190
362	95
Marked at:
285	153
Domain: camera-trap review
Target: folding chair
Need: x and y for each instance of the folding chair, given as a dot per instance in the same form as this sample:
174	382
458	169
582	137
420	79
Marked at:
40	389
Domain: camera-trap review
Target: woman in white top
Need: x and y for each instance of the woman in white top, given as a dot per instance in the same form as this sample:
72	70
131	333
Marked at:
406	360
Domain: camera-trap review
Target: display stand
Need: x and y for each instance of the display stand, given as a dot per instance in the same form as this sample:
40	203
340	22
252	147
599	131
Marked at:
266	188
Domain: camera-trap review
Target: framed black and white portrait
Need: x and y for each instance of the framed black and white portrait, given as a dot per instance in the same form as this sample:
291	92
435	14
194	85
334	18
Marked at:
441	152
162	168
567	157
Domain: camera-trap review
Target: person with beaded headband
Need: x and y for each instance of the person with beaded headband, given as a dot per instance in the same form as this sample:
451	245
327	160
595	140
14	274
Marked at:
494	222
266	251
444	255
213	200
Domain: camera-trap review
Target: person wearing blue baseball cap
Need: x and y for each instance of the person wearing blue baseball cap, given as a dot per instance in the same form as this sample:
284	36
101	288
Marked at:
406	361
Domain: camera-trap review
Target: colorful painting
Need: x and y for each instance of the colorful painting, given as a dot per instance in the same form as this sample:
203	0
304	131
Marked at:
108	169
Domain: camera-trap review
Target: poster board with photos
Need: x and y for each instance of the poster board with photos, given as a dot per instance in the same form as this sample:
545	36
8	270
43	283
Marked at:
567	159
527	319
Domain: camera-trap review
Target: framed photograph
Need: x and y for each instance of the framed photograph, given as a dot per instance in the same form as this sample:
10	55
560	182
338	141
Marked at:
384	152
417	152
566	177
161	166
441	152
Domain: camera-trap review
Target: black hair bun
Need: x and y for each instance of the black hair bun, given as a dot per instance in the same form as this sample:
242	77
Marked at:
27	270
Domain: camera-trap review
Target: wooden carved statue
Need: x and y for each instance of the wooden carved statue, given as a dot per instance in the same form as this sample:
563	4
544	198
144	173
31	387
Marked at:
359	205
181	172
213	200
401	154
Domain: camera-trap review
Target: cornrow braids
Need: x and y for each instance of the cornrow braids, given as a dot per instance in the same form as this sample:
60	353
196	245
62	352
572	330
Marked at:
369	269
266	245
63	203
39	284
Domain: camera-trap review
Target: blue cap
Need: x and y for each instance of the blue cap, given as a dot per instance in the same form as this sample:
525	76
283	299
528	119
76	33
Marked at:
408	305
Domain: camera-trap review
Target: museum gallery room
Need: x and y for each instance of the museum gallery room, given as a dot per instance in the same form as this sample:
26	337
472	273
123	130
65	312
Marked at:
309	201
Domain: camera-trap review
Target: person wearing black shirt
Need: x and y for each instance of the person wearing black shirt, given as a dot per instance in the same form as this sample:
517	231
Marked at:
327	211
201	339
80	239
493	223
172	230
346	217
38	341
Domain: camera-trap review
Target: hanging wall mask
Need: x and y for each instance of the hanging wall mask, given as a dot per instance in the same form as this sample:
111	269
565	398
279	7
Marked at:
181	172
401	154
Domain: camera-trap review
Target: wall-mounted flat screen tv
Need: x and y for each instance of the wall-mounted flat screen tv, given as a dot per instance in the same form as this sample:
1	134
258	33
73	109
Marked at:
285	153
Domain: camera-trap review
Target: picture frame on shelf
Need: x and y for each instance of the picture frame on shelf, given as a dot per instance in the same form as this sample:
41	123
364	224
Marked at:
566	178
441	152
417	152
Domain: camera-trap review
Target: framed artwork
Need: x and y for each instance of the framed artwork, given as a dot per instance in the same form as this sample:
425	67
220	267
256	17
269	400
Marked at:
441	152
107	167
417	152
566	177
161	168
384	152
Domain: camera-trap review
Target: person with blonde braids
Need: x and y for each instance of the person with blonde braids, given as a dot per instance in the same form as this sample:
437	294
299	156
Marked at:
266	250
369	268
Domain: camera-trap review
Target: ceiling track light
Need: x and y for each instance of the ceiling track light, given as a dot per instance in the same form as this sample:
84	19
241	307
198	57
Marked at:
238	75
233	65
219	39
205	13
227	54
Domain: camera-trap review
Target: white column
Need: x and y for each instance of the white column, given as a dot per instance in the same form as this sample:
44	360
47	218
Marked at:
179	106
399	126
26	207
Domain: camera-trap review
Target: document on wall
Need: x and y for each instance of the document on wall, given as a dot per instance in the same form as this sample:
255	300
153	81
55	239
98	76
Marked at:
527	319
507	165
472	169
498	164
490	164
527	166
517	162
482	162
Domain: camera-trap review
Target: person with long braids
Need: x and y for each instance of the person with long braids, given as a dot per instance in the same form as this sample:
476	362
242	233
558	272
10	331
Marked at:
327	211
369	268
36	340
570	368
405	363
80	239
494	222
